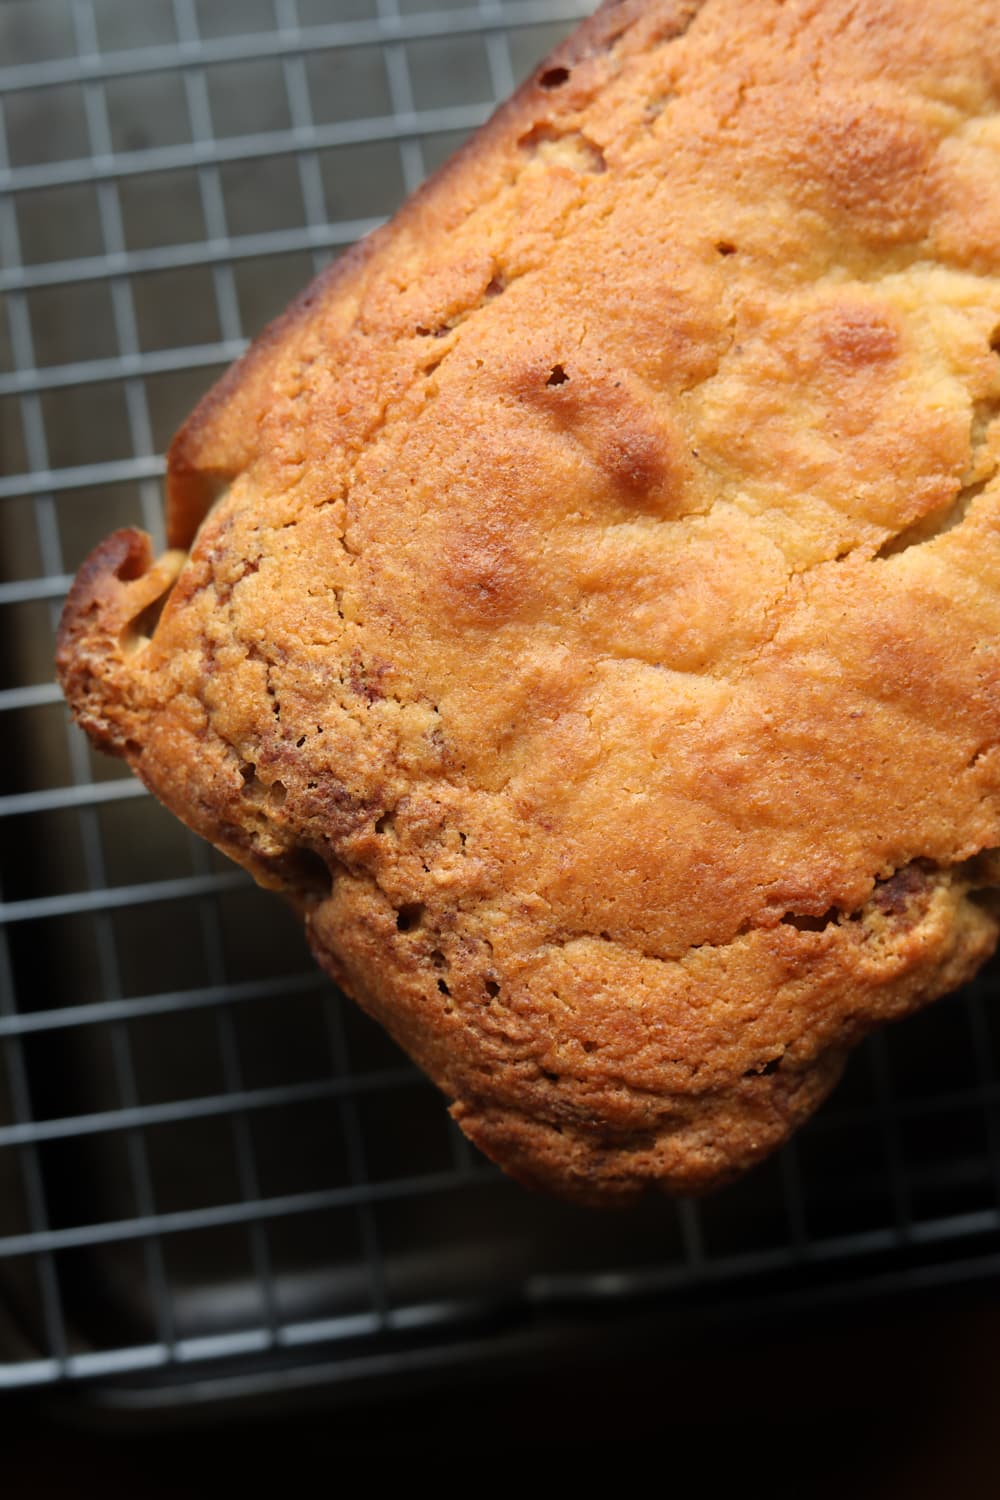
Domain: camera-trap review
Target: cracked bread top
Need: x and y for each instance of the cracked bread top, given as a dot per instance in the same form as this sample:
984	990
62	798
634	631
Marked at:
593	596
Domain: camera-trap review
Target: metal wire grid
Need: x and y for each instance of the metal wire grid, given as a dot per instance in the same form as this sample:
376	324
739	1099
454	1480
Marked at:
881	1196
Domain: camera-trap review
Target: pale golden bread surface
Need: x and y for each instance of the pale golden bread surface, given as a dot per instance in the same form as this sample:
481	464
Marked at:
596	630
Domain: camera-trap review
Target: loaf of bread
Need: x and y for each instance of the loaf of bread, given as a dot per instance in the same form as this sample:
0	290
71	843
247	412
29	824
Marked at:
585	600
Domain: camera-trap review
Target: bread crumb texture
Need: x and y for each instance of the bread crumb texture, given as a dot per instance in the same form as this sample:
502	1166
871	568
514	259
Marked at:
591	604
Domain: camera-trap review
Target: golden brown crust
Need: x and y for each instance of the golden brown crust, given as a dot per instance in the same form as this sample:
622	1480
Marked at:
595	629
219	439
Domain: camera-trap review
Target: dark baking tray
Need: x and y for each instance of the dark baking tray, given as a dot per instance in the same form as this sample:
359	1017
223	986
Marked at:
216	1178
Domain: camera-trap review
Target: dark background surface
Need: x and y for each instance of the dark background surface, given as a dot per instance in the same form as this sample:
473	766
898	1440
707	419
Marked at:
897	1400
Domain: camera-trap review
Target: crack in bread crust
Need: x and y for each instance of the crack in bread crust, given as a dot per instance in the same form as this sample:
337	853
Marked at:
593	629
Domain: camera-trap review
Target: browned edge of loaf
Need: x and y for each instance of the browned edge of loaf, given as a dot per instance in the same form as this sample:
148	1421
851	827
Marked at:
119	582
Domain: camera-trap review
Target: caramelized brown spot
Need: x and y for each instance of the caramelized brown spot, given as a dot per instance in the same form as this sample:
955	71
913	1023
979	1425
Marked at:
617	431
874	167
635	461
896	896
485	575
858	336
365	678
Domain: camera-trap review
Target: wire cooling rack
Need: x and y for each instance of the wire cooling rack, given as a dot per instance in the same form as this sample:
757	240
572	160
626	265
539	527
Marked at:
210	1165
